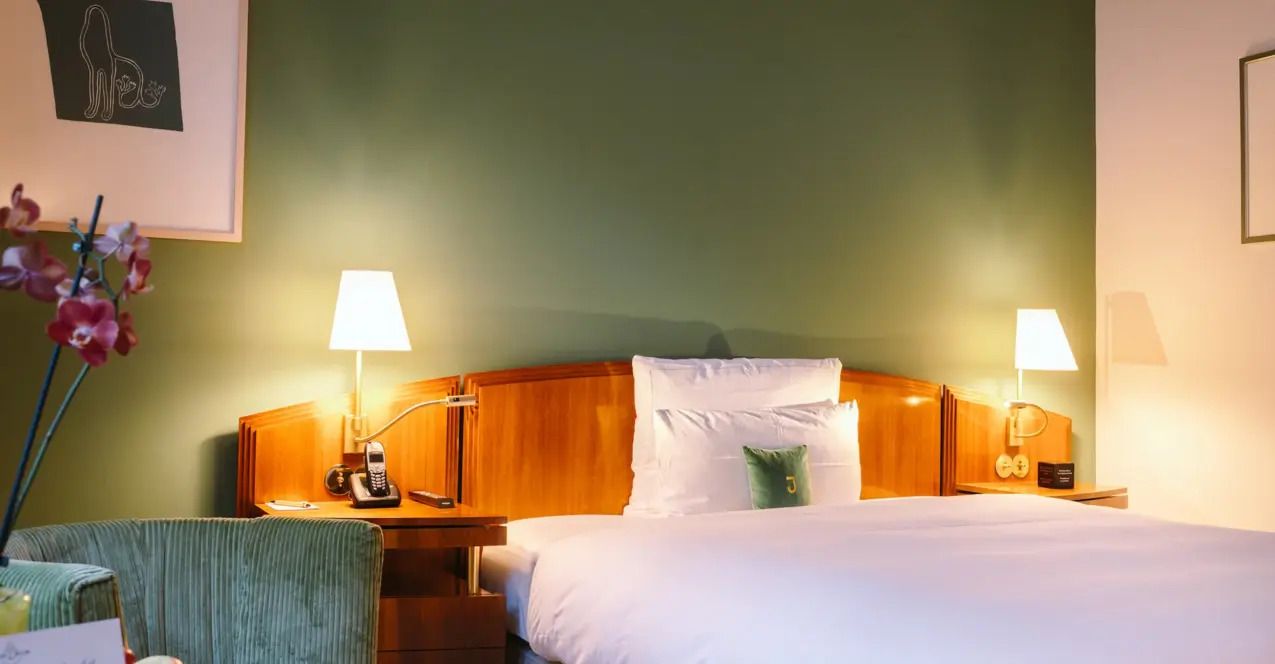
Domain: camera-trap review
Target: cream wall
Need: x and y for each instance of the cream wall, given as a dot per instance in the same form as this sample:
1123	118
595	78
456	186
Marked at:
1186	314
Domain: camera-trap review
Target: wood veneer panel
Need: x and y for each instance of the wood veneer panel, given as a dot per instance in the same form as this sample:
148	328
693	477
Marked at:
976	433
442	623
284	453
559	440
1082	491
444	538
476	656
900	421
550	440
408	514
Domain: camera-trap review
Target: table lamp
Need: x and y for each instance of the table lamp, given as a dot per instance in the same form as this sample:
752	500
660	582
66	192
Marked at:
368	318
1040	345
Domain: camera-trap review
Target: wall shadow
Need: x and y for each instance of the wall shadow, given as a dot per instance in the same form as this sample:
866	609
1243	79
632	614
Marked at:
1132	335
221	466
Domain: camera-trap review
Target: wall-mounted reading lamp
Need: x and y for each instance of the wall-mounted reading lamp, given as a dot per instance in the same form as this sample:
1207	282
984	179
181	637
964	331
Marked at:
1040	345
369	317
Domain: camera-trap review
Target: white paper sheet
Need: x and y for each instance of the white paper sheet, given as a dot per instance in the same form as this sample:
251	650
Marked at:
96	642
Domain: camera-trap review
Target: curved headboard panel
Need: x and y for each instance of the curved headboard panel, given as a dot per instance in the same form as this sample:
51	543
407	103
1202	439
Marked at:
976	433
900	433
548	441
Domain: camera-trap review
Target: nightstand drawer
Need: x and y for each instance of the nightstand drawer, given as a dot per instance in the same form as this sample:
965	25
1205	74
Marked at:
442	623
481	656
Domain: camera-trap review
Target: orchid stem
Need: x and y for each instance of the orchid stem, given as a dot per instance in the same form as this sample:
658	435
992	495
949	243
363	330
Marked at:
11	512
48	436
11	509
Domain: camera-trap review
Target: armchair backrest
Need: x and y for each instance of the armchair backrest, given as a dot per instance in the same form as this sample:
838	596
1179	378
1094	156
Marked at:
232	591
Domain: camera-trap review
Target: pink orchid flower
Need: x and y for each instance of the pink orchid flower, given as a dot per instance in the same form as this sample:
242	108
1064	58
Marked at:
124	241
87	325
126	341
32	268
20	215
88	285
139	270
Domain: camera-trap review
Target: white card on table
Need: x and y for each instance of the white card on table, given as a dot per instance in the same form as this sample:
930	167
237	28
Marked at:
89	643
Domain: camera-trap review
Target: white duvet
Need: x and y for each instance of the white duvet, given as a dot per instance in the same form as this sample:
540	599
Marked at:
964	579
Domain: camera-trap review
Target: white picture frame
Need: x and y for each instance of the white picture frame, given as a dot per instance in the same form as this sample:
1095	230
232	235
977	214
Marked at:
185	184
1257	148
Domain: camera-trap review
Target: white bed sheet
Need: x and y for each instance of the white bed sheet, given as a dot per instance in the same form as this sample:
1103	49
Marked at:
965	579
508	569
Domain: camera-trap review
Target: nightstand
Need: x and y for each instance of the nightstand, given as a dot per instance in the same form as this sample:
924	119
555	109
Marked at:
432	610
1084	493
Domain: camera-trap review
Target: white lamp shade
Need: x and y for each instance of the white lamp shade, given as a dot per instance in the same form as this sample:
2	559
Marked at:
368	315
1041	344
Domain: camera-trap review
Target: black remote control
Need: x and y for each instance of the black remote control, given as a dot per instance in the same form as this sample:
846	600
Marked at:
431	499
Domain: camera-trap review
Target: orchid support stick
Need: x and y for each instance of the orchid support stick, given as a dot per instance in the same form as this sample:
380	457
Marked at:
11	509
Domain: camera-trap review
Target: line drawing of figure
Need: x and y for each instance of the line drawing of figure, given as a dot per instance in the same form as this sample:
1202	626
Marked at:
108	86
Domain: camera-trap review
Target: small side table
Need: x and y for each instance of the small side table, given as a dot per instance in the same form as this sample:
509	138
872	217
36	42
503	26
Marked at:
432	609
1085	493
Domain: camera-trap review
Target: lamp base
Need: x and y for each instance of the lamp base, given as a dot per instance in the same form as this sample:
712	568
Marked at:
353	427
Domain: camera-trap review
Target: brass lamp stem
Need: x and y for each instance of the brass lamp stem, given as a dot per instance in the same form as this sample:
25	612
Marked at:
358	385
356	422
1020	384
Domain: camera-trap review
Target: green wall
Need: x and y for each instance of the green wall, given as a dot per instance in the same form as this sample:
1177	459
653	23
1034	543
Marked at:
569	180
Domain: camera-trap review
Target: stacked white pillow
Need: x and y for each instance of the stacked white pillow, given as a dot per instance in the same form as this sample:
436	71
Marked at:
702	458
720	385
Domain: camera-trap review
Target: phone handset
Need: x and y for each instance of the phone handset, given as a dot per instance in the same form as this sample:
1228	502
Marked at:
374	461
372	487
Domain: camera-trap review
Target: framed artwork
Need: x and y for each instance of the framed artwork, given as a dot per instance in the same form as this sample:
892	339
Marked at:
1257	147
142	101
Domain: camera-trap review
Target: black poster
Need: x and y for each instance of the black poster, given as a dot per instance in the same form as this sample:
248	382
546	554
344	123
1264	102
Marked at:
114	62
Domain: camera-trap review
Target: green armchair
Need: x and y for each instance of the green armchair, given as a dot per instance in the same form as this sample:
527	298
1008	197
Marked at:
212	591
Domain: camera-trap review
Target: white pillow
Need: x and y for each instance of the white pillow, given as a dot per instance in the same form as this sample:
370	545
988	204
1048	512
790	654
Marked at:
737	384
702	457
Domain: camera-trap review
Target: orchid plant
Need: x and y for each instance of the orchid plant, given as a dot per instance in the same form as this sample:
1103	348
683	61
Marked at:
89	317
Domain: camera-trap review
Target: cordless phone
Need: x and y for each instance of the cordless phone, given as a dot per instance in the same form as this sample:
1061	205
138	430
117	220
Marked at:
372	487
374	462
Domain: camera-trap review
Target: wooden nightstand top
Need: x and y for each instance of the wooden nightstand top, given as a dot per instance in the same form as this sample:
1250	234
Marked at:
1083	491
409	513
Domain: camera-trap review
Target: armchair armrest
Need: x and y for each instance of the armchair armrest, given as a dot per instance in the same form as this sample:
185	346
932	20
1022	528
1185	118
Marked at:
63	594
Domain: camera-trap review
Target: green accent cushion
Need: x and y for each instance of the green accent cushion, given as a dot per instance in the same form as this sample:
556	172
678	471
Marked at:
778	478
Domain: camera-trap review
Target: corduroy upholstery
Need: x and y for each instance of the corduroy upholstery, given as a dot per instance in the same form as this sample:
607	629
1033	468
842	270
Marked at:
233	591
63	594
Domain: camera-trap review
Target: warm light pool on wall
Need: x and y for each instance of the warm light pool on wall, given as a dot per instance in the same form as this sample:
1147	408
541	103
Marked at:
369	318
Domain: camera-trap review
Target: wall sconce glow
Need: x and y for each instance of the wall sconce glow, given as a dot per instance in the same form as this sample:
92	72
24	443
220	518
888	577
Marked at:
368	317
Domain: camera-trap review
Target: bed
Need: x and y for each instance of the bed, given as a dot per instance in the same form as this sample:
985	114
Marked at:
904	575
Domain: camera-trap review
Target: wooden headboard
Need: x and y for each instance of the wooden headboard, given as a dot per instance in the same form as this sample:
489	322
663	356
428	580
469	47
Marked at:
975	433
284	453
547	441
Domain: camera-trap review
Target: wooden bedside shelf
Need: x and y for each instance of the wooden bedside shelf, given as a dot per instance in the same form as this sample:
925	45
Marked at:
1083	492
